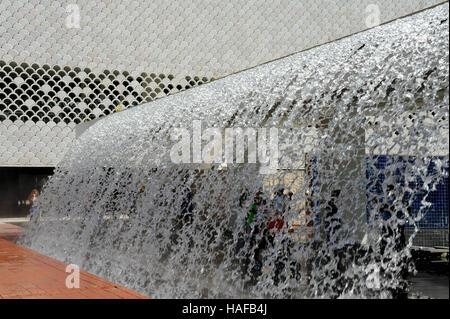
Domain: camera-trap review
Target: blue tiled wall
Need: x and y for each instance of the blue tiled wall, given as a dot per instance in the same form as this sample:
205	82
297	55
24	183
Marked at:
435	216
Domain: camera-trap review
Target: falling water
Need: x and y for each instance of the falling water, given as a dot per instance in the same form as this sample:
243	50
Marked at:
120	207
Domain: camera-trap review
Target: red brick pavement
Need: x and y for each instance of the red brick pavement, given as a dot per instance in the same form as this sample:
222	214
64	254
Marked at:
25	273
10	231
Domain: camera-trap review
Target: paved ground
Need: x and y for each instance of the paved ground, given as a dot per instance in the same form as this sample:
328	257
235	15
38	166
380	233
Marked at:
10	231
25	273
432	285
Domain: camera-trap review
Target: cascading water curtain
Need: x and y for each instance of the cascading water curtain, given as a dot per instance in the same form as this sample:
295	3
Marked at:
342	147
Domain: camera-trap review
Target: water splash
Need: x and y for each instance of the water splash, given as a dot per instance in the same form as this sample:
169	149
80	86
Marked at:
120	208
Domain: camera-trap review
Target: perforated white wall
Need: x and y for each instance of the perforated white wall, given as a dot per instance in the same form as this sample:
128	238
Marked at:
62	63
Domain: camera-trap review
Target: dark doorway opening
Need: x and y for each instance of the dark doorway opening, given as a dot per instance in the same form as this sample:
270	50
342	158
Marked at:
16	186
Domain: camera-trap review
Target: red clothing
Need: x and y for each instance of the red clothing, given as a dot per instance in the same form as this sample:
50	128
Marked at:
276	223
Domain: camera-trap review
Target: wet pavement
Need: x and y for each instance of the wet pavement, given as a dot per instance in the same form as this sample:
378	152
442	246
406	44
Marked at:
10	231
431	285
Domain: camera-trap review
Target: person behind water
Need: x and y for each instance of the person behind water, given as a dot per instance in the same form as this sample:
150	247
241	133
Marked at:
275	226
187	207
333	251
32	200
332	220
254	229
393	225
393	238
276	221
